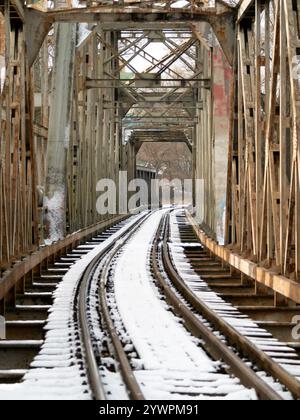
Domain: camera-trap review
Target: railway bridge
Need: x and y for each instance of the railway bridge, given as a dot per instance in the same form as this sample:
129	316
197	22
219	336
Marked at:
84	84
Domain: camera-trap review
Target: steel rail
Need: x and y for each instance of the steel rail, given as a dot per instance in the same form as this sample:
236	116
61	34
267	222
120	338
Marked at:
213	345
91	364
242	343
41	257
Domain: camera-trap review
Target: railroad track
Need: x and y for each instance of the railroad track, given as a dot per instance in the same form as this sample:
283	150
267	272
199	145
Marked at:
270	311
190	294
111	336
108	342
26	318
99	273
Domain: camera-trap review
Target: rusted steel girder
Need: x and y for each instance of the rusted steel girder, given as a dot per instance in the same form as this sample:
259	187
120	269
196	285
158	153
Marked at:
158	136
222	19
36	29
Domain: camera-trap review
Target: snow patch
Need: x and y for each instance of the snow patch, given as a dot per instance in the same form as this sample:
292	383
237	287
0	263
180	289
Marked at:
2	73
230	314
67	137
83	33
55	208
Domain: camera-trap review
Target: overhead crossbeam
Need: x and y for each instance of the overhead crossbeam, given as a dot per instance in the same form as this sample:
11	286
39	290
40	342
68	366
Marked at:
159	16
139	137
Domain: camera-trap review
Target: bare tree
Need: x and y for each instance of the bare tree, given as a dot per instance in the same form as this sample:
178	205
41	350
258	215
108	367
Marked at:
170	160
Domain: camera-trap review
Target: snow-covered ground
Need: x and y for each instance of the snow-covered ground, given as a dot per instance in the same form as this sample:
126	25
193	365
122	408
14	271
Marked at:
281	353
170	363
56	372
174	365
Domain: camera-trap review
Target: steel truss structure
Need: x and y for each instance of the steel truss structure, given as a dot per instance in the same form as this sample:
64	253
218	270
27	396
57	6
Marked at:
115	107
263	192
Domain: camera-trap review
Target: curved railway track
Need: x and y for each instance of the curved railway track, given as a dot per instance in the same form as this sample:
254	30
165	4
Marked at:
31	287
188	306
106	257
94	318
100	272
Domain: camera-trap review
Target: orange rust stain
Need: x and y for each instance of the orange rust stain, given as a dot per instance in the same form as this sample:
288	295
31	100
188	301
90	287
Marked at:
2	35
222	83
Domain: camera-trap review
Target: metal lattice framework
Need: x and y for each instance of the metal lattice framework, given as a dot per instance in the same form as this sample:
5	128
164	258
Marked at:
263	194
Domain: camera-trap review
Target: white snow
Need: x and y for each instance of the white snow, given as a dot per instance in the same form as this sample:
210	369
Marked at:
55	206
83	33
174	366
2	72
67	137
170	363
55	373
243	324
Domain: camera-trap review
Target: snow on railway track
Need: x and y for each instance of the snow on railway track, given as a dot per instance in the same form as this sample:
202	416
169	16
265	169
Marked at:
173	364
112	283
57	372
285	356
